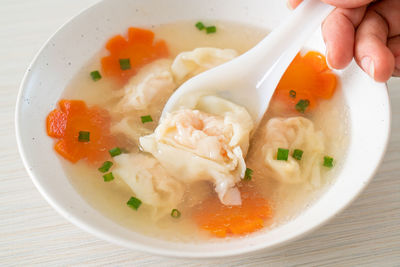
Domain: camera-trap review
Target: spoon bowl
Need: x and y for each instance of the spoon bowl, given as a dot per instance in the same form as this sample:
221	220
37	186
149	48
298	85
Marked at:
250	79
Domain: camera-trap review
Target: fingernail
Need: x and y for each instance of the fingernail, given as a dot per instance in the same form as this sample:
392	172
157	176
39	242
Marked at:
368	65
327	56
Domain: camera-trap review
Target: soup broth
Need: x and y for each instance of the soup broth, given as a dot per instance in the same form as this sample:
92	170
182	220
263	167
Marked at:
110	198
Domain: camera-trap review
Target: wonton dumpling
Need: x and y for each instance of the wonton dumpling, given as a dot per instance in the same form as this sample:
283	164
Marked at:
149	181
189	64
131	127
208	143
154	82
294	133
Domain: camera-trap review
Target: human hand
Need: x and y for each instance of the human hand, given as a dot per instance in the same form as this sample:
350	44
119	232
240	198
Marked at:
367	30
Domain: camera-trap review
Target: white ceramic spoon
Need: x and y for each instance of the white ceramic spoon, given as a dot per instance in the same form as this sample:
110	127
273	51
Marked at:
250	79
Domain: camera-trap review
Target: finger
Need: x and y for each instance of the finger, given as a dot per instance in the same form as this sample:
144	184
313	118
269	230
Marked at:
394	46
371	52
336	3
294	3
338	31
389	10
348	3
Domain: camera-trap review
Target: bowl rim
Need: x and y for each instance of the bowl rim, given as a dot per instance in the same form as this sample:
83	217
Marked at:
81	223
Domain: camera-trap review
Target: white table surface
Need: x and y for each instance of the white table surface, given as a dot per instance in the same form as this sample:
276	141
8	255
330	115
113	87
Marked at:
32	233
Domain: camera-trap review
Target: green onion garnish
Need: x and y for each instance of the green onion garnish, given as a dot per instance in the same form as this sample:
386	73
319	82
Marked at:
84	136
95	75
125	64
283	154
134	203
108	177
297	154
175	213
211	29
199	25
292	93
328	162
105	167
146	118
302	105
115	151
248	174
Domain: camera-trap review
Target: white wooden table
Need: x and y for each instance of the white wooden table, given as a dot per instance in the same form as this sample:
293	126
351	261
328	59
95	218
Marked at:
32	233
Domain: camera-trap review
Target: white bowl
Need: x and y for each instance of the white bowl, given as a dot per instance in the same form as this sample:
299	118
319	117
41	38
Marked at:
78	40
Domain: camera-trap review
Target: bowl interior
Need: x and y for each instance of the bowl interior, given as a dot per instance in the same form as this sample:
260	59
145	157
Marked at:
77	41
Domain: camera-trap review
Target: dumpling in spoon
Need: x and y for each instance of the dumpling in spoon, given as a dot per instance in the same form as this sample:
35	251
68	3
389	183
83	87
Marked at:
191	63
294	133
208	143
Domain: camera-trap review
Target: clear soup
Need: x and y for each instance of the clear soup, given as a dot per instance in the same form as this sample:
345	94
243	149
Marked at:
287	200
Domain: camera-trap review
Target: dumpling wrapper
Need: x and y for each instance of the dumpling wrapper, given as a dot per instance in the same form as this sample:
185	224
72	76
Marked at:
208	143
131	127
153	83
191	63
149	182
148	90
294	133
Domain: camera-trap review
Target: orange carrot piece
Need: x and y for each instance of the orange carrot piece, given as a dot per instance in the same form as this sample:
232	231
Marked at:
74	116
140	35
308	76
249	225
316	60
328	82
72	106
68	151
116	43
140	48
221	220
56	123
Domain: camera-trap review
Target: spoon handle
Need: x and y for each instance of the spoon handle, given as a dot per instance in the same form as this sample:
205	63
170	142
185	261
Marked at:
281	46
250	79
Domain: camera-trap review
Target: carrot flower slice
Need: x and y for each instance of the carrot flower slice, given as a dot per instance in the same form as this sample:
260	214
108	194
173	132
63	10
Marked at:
72	117
56	123
140	48
309	77
220	220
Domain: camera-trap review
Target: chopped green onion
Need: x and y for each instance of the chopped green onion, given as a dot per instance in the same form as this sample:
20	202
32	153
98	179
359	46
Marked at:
125	64
248	174
283	154
108	177
95	75
328	162
211	29
199	25
134	203
175	213
297	154
115	151
302	105
106	166
146	118
292	93
84	136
